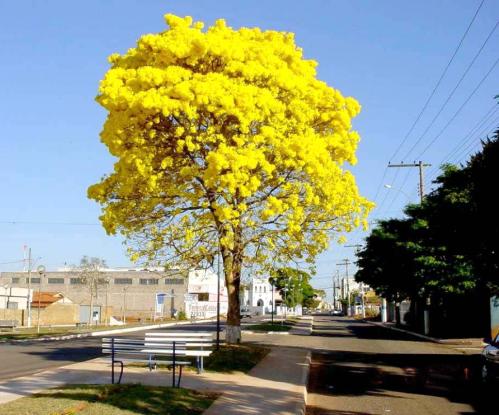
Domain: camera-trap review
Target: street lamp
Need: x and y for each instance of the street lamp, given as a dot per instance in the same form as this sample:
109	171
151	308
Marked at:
41	271
389	186
271	280
219	269
125	288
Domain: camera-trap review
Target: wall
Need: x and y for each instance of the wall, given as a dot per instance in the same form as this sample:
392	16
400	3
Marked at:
138	300
56	314
18	315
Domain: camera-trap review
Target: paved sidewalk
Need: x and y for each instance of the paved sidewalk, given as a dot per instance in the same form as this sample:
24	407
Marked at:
472	342
277	385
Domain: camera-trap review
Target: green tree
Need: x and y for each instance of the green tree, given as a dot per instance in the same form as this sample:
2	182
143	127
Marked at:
89	271
225	143
293	286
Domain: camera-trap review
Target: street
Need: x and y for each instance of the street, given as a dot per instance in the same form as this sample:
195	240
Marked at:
21	359
357	368
372	370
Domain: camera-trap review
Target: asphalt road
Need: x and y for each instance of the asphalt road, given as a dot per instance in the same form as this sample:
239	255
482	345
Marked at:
21	359
360	369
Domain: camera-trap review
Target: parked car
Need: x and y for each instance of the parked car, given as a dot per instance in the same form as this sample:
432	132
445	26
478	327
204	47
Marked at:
337	313
490	361
245	312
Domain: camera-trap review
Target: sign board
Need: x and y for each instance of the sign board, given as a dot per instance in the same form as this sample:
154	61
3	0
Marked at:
191	298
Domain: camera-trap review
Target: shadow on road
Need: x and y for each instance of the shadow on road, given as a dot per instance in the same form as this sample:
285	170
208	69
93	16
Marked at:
453	377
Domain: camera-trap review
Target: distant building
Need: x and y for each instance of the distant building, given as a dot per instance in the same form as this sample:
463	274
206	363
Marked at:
13	298
138	293
258	293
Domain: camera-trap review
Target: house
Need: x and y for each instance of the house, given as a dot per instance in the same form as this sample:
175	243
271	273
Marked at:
53	308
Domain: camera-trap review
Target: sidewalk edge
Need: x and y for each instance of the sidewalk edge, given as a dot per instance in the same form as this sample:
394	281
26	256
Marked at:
103	332
422	336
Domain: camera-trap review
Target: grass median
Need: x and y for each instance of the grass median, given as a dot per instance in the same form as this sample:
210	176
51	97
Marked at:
111	400
266	327
32	333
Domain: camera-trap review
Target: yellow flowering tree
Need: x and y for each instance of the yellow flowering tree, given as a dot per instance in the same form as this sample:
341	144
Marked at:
226	142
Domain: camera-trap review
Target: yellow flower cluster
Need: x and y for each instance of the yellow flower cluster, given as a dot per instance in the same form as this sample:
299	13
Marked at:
229	132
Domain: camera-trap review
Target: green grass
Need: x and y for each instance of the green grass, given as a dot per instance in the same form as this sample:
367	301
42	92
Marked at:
111	400
31	333
229	358
235	358
277	326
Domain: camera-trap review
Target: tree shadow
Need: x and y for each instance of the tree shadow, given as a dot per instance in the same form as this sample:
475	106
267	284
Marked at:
454	377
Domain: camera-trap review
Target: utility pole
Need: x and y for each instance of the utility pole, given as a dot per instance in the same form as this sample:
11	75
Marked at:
420	166
29	288
334	294
347	262
363	305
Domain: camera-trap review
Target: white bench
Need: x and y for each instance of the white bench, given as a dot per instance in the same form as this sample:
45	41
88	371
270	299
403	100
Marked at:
197	344
136	350
8	324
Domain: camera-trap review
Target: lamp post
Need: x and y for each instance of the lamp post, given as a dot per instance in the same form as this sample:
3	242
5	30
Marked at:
125	288
271	280
218	301
41	271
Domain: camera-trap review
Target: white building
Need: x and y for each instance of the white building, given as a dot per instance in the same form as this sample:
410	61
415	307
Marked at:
201	297
257	294
14	298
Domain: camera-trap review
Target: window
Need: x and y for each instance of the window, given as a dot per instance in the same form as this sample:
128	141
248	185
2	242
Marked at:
174	281
56	280
203	297
35	280
15	280
76	281
148	281
123	281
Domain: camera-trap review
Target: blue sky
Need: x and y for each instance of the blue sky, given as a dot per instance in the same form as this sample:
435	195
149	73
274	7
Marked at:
387	54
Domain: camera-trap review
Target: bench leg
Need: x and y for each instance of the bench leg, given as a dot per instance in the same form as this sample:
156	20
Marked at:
112	371
179	376
121	371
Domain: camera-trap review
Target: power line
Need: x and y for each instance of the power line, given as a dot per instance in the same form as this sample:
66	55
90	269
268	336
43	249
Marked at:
470	136
449	97
459	110
18	222
430	96
469	146
12	262
439	81
471	133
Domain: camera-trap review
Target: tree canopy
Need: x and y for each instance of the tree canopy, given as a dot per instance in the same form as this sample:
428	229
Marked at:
448	246
294	286
225	142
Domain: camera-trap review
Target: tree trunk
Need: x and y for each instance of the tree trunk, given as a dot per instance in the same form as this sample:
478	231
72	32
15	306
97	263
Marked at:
232	262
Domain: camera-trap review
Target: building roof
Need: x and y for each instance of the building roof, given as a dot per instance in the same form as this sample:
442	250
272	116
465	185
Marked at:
44	299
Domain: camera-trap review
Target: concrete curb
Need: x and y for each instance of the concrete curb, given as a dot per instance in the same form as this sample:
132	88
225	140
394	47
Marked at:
264	332
449	342
305	377
103	332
